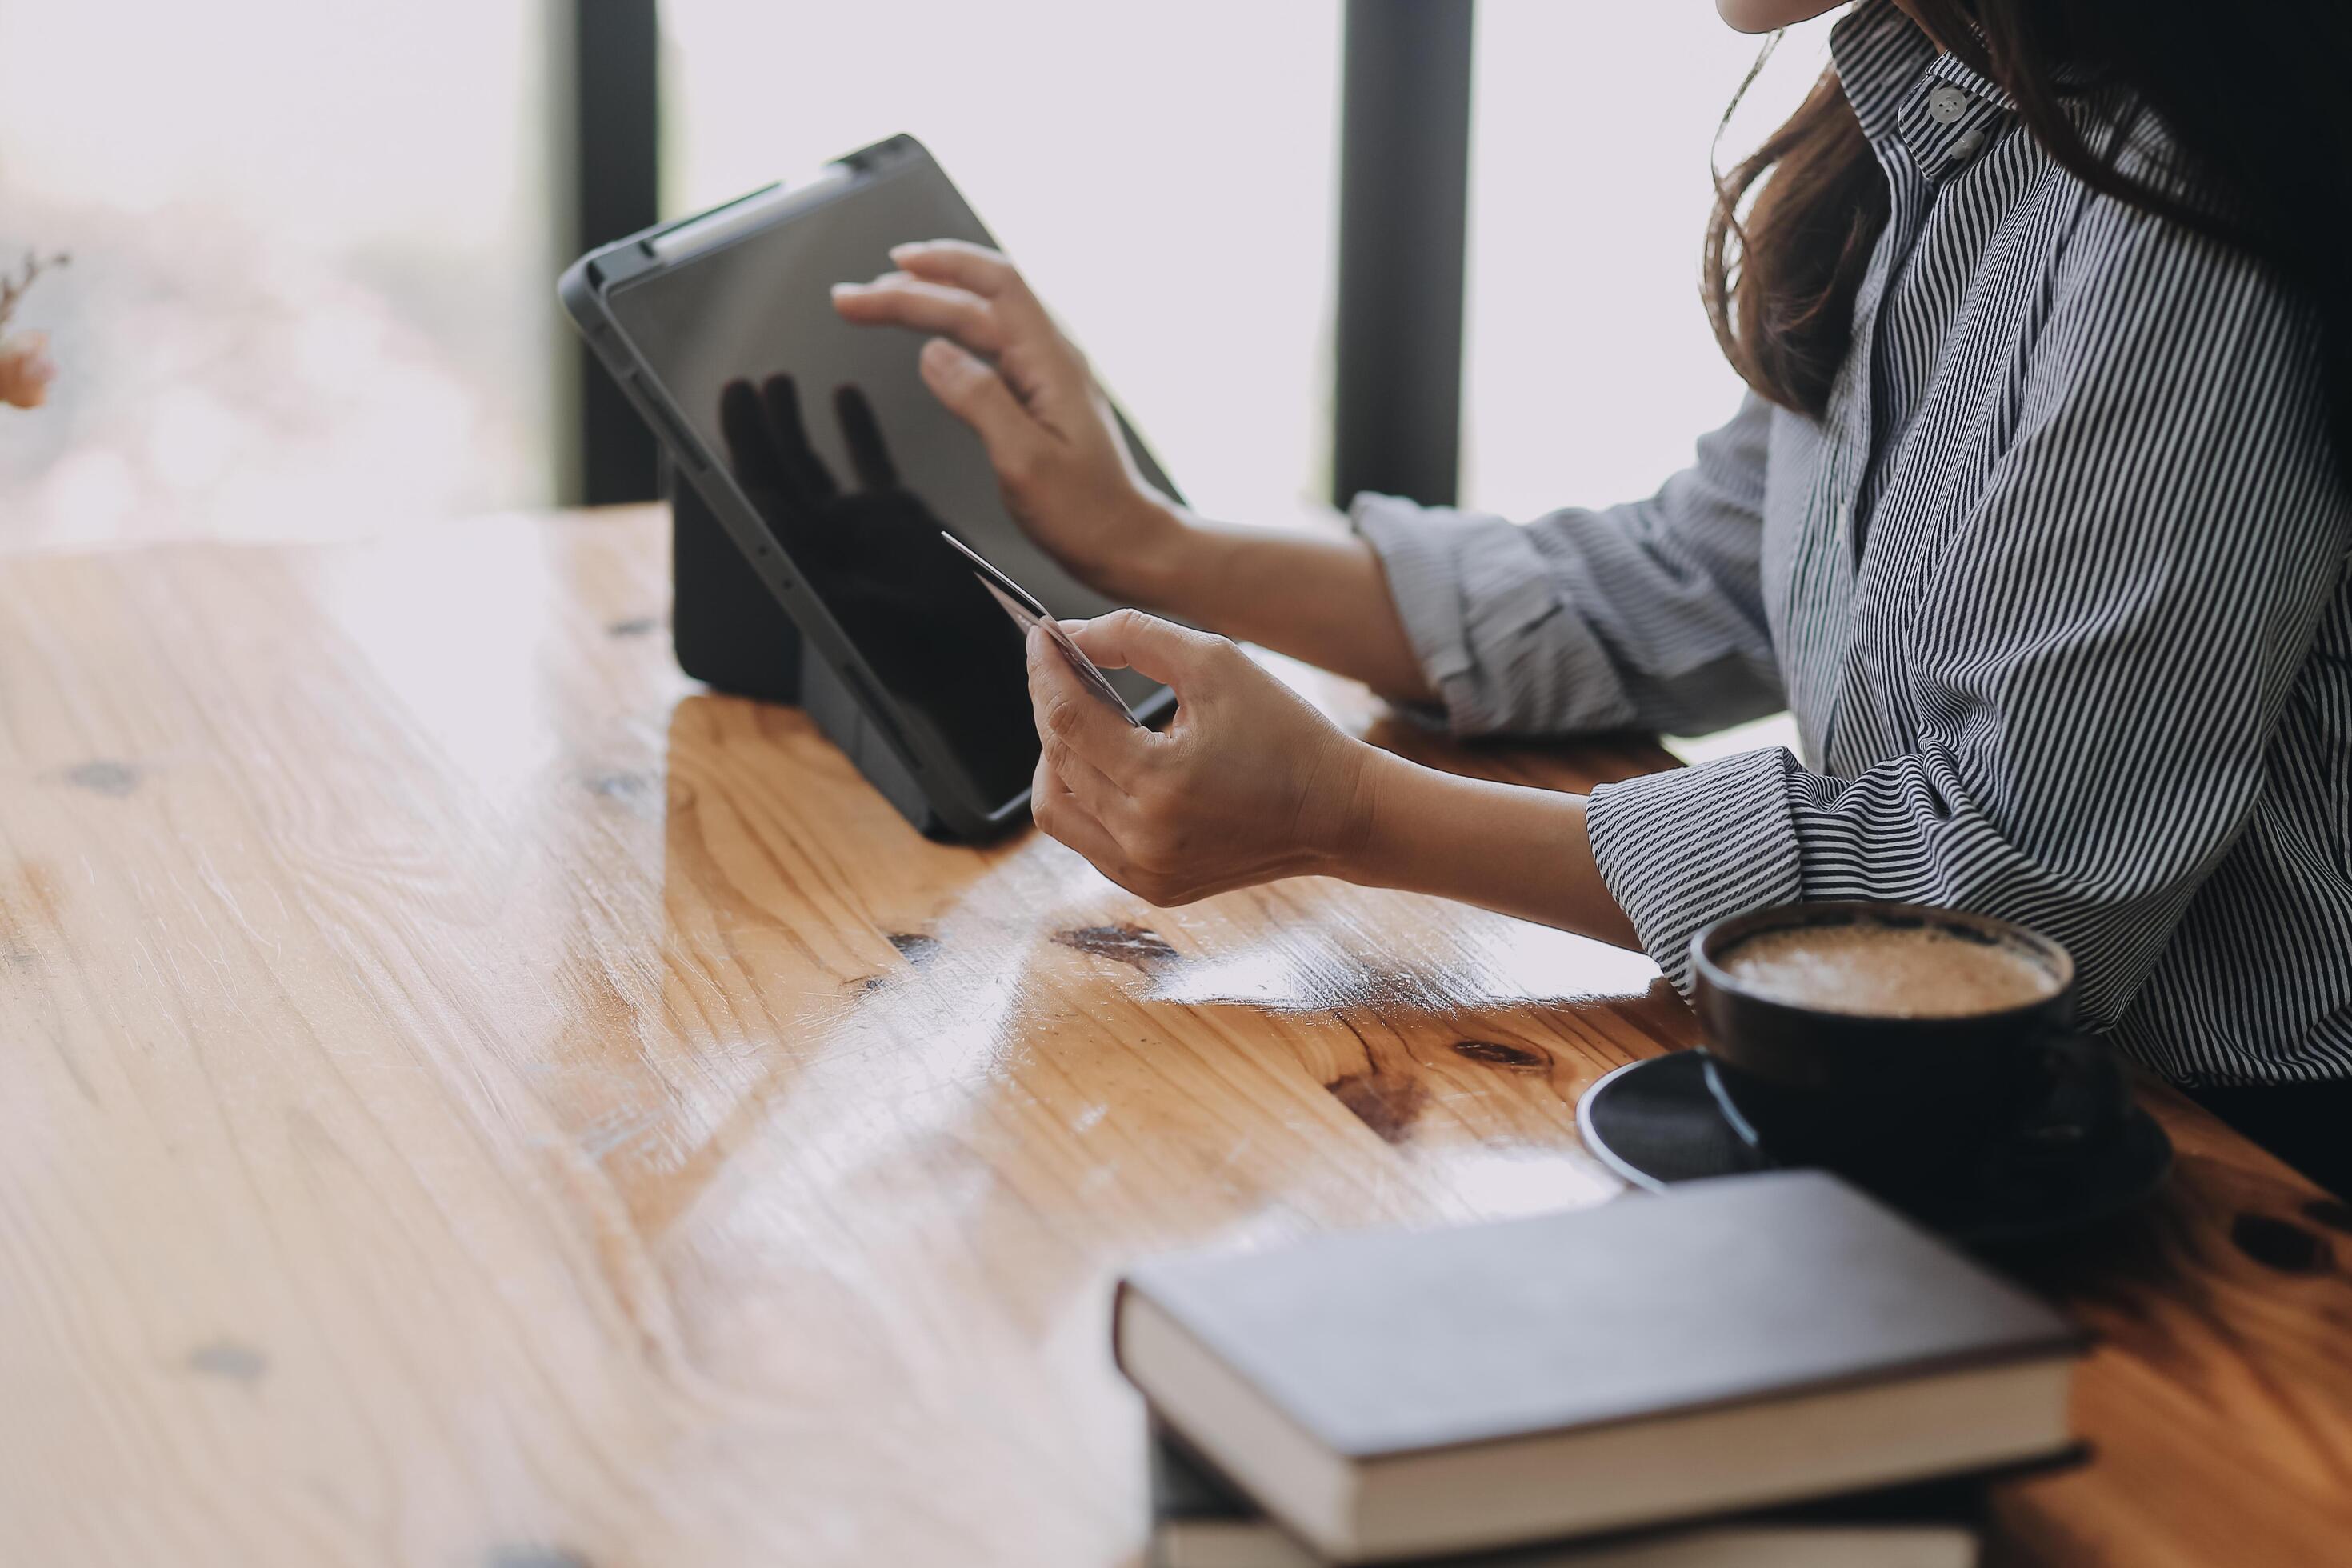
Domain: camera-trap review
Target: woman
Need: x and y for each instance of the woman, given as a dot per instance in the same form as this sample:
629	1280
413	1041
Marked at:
2036	519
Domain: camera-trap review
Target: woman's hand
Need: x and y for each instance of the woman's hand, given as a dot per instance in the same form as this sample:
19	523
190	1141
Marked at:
1251	783
1248	784
1003	366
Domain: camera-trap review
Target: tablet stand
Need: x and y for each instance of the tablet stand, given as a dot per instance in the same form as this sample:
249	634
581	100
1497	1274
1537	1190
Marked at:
730	634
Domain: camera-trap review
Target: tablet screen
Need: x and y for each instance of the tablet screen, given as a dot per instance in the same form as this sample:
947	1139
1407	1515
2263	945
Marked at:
830	435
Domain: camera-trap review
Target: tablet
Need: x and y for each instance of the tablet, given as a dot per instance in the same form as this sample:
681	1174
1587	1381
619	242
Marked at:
835	470
1028	614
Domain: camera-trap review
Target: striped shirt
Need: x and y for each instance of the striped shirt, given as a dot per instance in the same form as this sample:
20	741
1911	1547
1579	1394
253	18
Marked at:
2055	592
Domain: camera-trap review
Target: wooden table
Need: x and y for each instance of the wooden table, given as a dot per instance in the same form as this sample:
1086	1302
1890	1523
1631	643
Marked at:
473	1098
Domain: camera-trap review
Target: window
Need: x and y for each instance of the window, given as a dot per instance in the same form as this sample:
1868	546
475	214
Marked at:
1589	366
1164	175
312	289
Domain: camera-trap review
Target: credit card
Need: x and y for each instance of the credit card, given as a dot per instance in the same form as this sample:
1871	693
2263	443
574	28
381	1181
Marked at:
1026	612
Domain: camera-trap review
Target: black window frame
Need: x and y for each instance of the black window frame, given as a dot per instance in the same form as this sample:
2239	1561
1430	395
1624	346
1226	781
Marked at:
1404	178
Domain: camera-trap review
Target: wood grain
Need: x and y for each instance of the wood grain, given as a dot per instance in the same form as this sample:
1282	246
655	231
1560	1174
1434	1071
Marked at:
473	1098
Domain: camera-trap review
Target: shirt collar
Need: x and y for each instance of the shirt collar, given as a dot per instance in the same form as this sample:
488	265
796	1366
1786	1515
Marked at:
1939	109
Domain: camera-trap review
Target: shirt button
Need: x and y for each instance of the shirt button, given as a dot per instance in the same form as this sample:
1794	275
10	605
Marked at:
1946	104
1971	142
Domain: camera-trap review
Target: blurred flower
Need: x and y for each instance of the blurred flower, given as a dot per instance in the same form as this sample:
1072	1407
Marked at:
25	368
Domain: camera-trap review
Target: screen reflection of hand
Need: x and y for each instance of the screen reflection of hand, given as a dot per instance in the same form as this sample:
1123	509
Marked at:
911	605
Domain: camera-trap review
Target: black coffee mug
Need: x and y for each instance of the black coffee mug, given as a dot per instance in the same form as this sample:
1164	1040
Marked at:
1904	1106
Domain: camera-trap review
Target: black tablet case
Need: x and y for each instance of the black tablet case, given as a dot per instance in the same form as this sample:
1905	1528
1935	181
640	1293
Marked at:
731	633
728	628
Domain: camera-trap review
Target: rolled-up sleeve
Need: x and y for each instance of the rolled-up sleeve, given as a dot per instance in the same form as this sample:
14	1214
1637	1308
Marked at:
1648	614
1680	849
2104	648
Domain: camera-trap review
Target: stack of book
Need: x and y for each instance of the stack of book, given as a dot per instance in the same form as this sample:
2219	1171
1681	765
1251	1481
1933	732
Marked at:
1763	1370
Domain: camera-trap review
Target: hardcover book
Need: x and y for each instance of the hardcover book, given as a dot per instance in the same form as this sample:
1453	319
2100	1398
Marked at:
1732	1345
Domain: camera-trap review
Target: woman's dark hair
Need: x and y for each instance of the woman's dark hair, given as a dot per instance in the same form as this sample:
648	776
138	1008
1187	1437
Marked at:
2256	95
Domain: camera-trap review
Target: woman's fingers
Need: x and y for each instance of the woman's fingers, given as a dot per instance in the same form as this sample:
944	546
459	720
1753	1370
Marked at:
901	299
1092	789
1002	365
957	264
1070	716
966	265
1063	816
1250	784
1058	811
976	395
1171	655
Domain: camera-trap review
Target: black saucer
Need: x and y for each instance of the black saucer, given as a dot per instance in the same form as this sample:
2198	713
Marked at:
1654	1124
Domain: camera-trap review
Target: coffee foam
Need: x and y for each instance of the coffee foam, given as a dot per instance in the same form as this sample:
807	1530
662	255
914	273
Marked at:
1887	971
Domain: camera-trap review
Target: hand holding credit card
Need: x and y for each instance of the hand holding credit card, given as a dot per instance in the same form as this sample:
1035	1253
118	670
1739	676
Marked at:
1026	612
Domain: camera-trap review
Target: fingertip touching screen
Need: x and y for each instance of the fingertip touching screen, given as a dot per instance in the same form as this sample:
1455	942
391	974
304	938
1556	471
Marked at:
827	432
